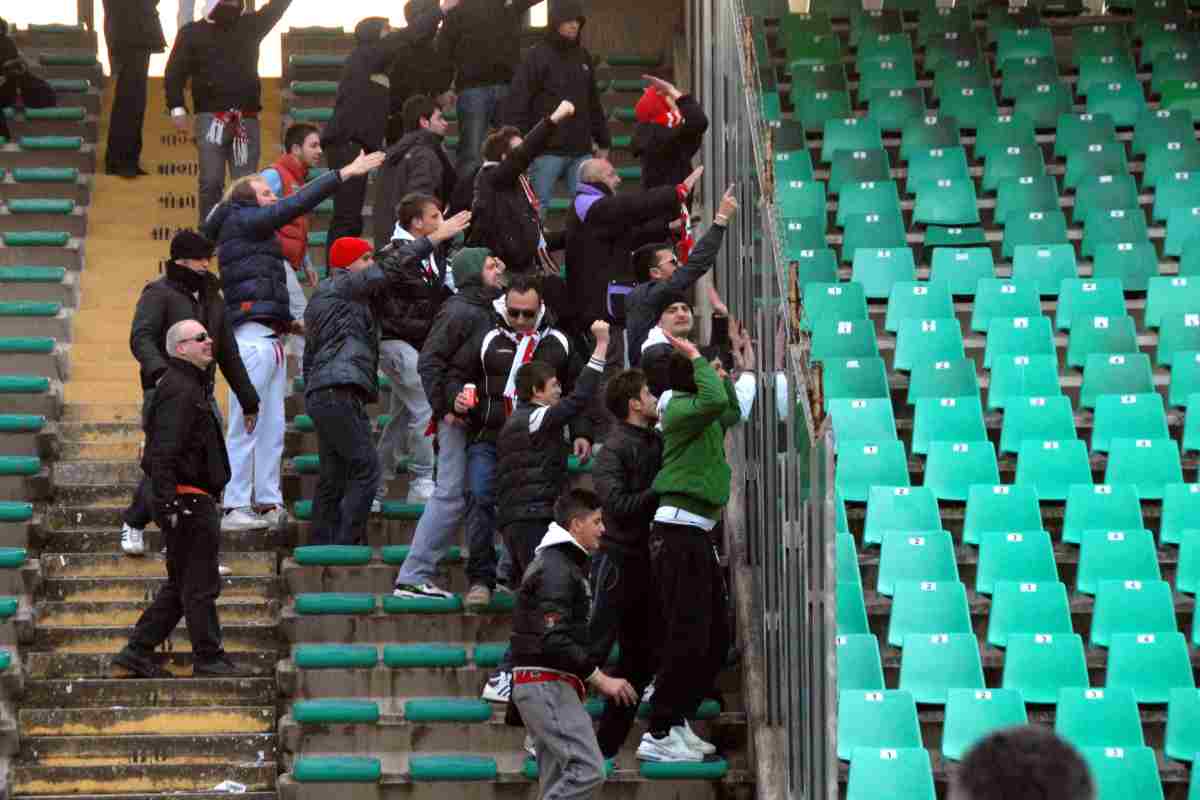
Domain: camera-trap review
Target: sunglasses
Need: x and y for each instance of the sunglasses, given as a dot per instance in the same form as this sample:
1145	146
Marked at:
523	313
199	337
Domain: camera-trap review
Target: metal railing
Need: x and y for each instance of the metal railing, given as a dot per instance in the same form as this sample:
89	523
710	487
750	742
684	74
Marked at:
780	523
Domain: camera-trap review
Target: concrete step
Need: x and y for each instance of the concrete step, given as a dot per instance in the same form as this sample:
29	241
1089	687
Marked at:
117	721
57	326
134	590
377	577
118	494
152	565
97	412
55	364
237	638
101	432
97	473
178	749
381	532
74	223
72	614
380	628
108	540
48	665
125	779
69	255
171	693
129	450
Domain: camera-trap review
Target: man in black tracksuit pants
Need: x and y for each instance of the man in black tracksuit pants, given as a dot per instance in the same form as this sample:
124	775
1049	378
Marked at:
130	44
188	467
623	601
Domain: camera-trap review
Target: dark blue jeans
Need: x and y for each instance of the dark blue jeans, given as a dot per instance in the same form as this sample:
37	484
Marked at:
478	109
349	466
481	514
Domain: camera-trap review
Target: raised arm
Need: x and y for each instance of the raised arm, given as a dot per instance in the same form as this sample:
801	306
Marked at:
268	17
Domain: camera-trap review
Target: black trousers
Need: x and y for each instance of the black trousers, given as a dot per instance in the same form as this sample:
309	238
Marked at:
193	583
624	610
521	538
124	147
694	628
350	471
348	199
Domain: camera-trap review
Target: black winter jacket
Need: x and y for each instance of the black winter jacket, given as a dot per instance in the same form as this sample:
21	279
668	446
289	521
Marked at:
643	300
600	243
460	319
624	477
422	165
531	470
406	312
139	28
554	70
550	620
253	275
666	153
222	63
482	39
169	300
363	89
184	442
419	68
342	336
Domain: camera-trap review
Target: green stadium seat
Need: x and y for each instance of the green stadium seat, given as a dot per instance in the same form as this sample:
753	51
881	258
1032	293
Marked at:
800	199
958	236
1038	665
998	133
454	768
1113	226
1076	131
1024	43
1000	298
1163	37
1176	190
858	665
1027	608
1183	228
1151	663
1094	159
1180	506
1131	606
803	234
334	656
837	301
946	202
869	23
1101	507
1148	464
1035	227
1022	74
35	238
898	772
1046	266
1181	95
915	556
1042	103
1013	336
843	339
332	555
953	377
961	268
40	206
899	508
1017	378
1099	71
1124	772
810	77
340	712
45	174
336	769
847	558
893	109
878	270
854	377
313	88
1120	374
1183	724
1191	423
1179	66
971	106
1122	100
872	231
861	465
447	709
1037	418
1080	298
865	197
813	48
1096	40
883	47
954	419
320	114
884	74
1132	263
928	132
793	165
927	167
1000	508
1168	159
928	608
1020	556
408	656
334	603
921	340
1171	295
863	419
1098	717
1100	335
945	50
917	300
1137	416
973	714
885	718
814	266
1053	466
851	610
1026	193
1157	127
1185	377
1177	333
814	108
935	663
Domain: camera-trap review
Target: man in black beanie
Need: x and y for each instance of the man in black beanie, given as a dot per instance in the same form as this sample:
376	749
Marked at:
17	81
673	314
187	291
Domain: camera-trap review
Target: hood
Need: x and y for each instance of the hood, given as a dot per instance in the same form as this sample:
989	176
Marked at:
556	535
586	195
655	336
369	30
468	266
564	11
401	233
545	317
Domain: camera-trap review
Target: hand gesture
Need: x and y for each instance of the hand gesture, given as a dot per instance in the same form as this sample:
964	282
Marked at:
451	227
462	403
690	180
618	690
684	346
600	330
362	164
664	87
583	450
565	109
729	204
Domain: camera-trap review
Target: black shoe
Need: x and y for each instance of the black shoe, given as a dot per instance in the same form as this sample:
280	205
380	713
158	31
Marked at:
124	171
140	666
220	667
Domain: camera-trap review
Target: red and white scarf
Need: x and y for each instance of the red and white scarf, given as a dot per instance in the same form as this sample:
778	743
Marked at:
241	137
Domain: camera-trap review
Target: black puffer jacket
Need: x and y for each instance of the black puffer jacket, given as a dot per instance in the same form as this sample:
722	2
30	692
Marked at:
531	472
624	477
550	620
407	311
666	153
170	299
422	165
460	319
342	347
554	70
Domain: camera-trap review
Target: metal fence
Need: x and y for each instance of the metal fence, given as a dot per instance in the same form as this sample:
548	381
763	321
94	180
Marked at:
780	522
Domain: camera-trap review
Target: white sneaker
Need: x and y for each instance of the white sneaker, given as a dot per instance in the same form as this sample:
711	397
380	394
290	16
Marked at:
648	693
243	519
498	688
133	541
420	590
276	517
530	746
420	490
671	747
695	742
376	506
224	571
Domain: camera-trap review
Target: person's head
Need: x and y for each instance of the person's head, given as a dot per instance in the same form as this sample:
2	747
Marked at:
1016	763
537	383
566	19
419	214
680	375
477	264
628	398
251	190
191	250
675	314
654	262
599	171
500	143
422	112
578	512
351	254
523	302
415	8
653	105
188	340
371	29
303	141
223	12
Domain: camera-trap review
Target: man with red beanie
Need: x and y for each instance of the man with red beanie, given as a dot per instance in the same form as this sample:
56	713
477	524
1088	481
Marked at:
341	363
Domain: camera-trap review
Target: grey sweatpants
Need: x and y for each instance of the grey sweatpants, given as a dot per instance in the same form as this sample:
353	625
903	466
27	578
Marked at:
569	762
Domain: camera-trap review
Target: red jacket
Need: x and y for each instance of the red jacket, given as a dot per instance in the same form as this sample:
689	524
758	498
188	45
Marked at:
293	237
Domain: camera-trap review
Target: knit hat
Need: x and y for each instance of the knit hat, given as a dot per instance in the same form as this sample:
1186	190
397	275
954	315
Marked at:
469	263
667	300
189	244
651	106
347	250
566	10
211	5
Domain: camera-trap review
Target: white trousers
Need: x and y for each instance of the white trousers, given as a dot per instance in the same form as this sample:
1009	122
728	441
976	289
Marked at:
254	458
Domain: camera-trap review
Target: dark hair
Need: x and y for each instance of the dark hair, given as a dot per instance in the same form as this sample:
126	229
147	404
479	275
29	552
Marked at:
243	194
574	504
532	377
624	387
295	135
417	108
495	146
1026	761
413	205
522	282
646	257
414	9
681	375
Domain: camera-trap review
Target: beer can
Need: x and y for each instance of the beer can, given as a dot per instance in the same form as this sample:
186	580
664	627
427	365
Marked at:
469	391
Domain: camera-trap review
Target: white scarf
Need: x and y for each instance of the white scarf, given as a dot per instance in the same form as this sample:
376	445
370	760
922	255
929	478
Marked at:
526	345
